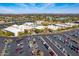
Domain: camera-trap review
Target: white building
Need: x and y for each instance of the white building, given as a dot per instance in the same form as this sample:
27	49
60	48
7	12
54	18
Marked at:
40	27
62	25
39	22
22	28
66	25
71	24
29	25
14	29
53	27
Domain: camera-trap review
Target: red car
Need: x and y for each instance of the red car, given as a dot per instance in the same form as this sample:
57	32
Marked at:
18	49
52	53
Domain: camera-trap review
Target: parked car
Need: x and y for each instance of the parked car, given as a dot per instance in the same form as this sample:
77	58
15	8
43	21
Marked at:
18	41
76	49
74	41
46	46
51	53
21	52
18	49
20	44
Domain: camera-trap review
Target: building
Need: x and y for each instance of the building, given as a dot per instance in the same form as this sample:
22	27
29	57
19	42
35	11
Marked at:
71	24
29	25
14	29
40	27
39	22
53	27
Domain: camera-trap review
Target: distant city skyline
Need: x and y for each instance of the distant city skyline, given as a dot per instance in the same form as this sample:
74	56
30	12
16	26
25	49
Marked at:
39	8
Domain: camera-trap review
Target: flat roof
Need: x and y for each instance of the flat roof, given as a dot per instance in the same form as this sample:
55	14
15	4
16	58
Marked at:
40	27
12	29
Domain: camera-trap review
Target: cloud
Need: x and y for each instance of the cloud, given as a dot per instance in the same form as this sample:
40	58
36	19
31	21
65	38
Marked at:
19	8
6	10
39	8
49	5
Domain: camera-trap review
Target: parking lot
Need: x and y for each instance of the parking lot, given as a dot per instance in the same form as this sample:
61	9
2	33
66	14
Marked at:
62	44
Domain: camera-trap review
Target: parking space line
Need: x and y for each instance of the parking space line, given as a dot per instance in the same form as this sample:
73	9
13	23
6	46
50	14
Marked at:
48	45
54	44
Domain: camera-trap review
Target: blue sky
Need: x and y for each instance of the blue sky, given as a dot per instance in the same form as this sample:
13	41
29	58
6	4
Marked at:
26	8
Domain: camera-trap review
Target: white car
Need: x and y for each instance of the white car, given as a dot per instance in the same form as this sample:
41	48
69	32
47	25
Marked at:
20	45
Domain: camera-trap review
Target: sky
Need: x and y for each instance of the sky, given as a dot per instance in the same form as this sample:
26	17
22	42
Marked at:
39	8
